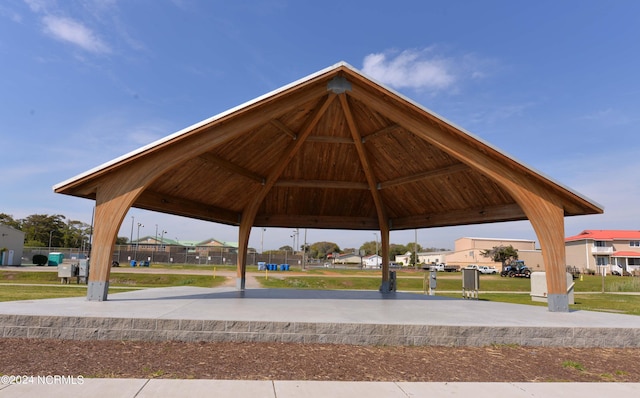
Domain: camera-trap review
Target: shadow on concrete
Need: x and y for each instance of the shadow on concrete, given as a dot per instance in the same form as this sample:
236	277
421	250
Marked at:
289	294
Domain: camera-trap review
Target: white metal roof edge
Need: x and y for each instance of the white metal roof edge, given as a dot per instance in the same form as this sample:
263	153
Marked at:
198	124
477	138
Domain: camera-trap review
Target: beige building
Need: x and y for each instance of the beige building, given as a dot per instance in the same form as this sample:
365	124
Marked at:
11	245
469	251
608	250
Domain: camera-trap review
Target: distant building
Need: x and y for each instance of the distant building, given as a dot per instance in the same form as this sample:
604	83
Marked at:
372	261
607	250
469	251
160	243
11	245
347	258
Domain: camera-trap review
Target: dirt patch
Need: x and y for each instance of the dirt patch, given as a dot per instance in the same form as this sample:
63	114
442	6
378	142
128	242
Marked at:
279	361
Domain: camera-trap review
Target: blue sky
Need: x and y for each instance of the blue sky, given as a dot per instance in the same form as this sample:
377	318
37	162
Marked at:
555	84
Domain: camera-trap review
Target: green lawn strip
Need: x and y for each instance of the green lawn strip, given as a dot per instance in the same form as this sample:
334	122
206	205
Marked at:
163	280
487	283
118	279
26	292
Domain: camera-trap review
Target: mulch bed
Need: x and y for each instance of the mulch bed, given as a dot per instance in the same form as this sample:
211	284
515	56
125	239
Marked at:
280	361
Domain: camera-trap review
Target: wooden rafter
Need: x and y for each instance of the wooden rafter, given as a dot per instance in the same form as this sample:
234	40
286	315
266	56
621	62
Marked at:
424	176
283	127
225	164
384	130
321	184
329	140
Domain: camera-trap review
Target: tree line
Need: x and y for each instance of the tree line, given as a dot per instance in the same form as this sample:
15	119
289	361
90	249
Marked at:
46	230
320	250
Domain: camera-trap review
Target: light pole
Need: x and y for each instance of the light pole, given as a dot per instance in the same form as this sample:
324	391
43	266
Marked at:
135	257
155	242
375	236
162	239
262	241
50	233
131	237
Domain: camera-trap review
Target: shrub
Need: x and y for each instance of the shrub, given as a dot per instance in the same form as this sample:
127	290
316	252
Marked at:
40	259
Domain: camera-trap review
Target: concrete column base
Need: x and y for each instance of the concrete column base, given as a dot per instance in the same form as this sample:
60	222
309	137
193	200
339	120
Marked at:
385	287
97	291
240	282
558	302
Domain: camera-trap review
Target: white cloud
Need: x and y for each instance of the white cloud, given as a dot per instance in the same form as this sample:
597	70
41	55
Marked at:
71	31
411	69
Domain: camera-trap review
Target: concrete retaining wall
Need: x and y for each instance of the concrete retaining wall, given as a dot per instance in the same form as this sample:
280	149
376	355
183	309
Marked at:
87	328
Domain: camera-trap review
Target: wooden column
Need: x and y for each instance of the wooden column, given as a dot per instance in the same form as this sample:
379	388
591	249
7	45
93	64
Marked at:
385	287
547	219
243	246
112	203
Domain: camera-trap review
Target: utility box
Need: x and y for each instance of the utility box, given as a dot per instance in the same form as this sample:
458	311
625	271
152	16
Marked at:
392	281
66	272
539	290
470	283
83	271
56	258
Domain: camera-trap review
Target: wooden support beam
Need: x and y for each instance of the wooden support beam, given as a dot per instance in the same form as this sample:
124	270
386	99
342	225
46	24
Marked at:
249	213
456	168
318	222
225	164
283	127
329	140
321	184
162	203
385	130
377	199
480	215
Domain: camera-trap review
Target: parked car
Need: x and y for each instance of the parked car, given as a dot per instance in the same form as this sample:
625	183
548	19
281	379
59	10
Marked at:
482	268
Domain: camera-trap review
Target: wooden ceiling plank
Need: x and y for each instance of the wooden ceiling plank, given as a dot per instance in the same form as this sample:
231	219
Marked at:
455	168
225	164
283	127
384	130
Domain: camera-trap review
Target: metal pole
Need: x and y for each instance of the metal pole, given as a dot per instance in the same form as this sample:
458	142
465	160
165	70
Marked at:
304	253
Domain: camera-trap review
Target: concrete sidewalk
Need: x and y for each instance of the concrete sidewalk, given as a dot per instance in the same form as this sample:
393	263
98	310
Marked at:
142	388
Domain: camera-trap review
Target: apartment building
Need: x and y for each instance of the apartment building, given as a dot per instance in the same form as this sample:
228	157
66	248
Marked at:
608	250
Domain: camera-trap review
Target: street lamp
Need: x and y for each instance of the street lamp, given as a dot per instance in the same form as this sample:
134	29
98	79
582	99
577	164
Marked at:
376	238
135	256
162	239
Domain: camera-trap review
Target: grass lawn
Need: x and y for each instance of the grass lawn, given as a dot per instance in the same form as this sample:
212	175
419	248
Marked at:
492	287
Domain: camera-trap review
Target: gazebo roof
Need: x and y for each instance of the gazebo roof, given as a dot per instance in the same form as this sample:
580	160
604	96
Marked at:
317	159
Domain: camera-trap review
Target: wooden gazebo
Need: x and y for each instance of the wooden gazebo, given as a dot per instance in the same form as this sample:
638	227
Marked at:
333	150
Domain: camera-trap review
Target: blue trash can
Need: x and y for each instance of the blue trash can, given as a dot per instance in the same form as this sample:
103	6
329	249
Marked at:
133	263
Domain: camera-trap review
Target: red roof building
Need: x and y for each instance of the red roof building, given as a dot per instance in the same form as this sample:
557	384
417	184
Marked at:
605	250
